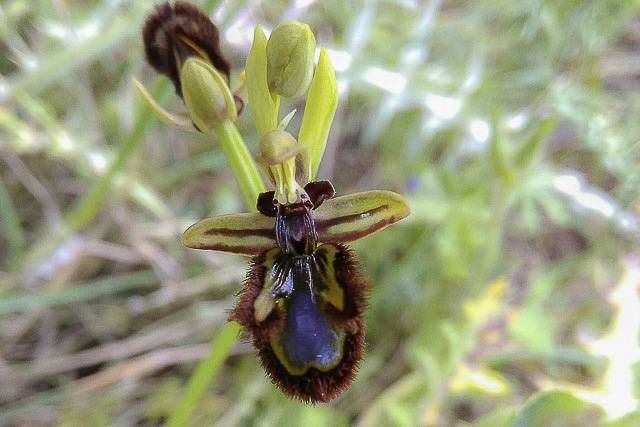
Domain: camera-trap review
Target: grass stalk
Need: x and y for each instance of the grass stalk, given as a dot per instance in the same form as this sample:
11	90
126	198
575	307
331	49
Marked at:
250	185
204	373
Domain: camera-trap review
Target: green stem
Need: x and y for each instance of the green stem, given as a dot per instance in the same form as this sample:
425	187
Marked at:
12	228
250	185
205	371
241	163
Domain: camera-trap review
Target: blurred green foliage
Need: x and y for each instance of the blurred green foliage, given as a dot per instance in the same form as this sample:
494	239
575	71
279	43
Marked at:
509	297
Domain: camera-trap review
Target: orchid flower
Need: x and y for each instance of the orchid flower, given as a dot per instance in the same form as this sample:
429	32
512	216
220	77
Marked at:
304	296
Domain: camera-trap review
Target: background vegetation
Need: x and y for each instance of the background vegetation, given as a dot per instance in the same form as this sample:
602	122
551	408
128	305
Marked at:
509	297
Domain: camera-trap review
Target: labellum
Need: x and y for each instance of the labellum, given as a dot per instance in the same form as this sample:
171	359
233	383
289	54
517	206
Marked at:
304	296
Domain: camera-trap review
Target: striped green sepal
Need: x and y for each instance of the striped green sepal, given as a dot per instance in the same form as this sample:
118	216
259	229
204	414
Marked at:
354	216
245	234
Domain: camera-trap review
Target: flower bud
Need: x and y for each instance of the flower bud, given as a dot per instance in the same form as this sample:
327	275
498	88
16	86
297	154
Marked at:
206	94
174	33
290	52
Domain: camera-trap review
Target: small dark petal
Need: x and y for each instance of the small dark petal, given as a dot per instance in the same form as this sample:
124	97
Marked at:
319	191
164	32
265	204
239	104
314	385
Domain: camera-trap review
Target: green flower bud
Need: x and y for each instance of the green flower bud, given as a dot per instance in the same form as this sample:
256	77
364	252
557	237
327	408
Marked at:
206	94
290	52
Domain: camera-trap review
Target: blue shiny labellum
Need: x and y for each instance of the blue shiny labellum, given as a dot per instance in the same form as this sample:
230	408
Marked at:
305	316
308	338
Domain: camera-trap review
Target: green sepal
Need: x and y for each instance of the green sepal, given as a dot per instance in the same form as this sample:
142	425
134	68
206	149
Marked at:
264	107
179	120
354	216
319	110
244	233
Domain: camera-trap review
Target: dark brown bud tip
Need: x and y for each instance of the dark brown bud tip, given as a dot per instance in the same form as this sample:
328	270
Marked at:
290	332
174	33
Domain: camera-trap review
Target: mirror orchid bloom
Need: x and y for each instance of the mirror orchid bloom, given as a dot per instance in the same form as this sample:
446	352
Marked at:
304	295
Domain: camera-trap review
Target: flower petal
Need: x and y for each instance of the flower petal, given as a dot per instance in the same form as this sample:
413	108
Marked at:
245	234
181	121
263	106
321	105
354	216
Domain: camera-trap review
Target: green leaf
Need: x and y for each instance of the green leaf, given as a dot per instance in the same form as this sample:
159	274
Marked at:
534	327
528	150
497	154
11	226
245	234
318	113
264	108
221	345
555	407
501	417
352	217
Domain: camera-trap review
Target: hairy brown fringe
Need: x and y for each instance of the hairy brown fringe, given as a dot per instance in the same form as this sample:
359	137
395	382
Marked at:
315	385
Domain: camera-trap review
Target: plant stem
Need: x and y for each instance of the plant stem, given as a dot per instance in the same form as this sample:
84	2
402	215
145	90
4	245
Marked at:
250	185
241	163
12	228
205	371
